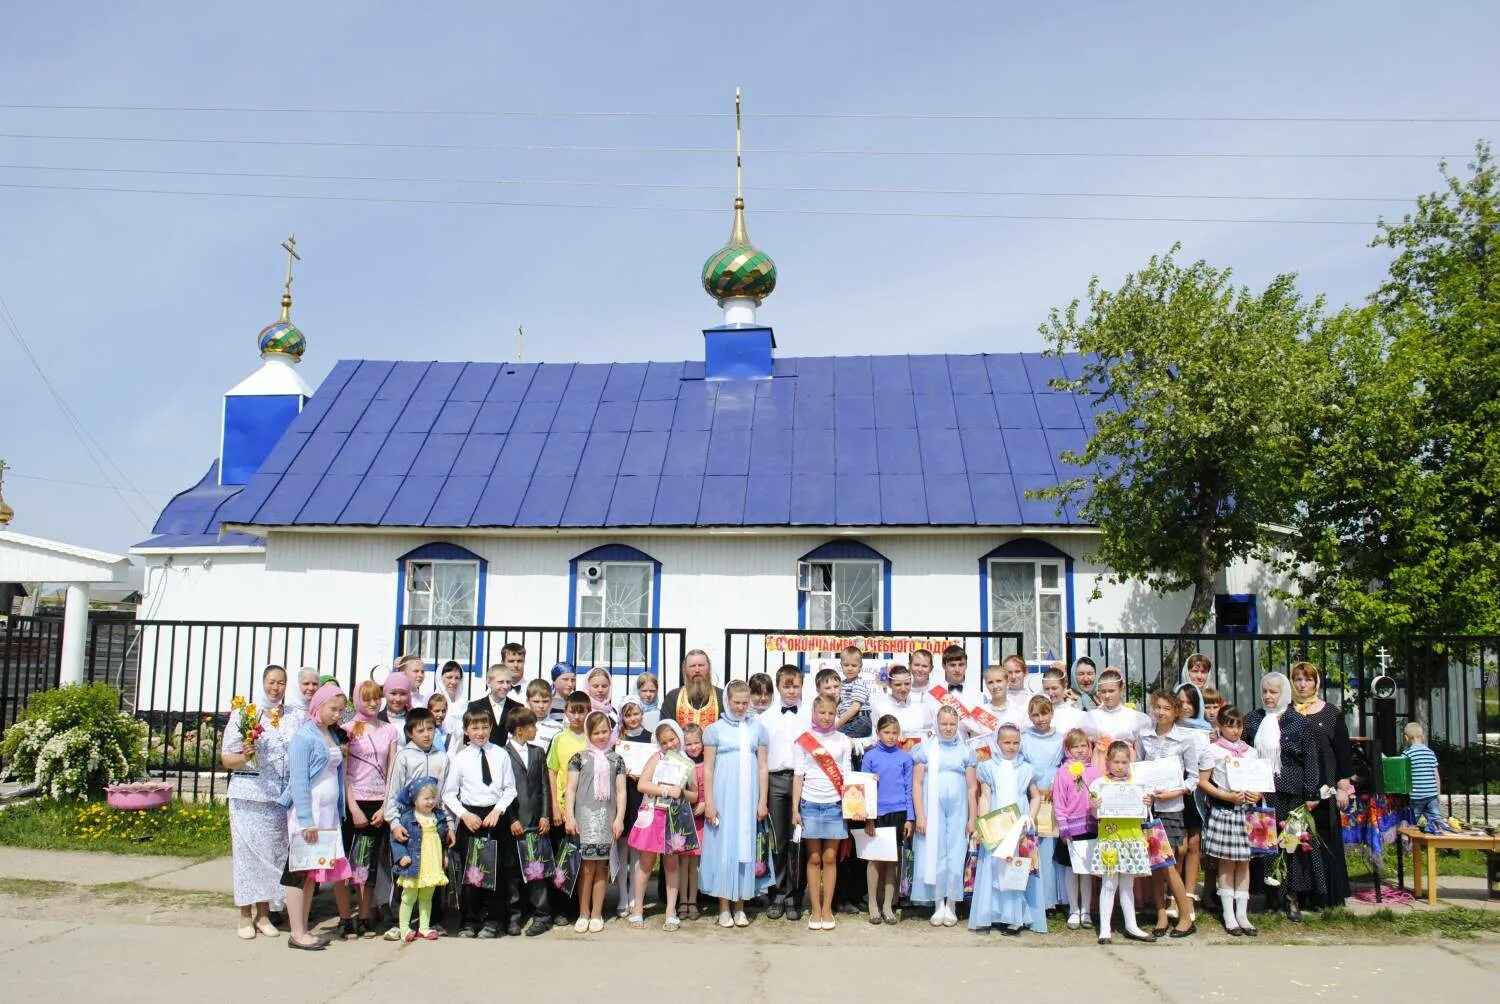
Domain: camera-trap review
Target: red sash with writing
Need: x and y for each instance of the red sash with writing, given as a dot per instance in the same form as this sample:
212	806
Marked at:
986	720
823	759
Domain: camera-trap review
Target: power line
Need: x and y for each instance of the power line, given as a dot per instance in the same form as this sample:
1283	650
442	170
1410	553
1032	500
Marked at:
858	116
760	152
678	186
87	441
80	484
686	209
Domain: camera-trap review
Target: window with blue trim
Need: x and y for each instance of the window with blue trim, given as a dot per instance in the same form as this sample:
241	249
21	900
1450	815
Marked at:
440	585
842	587
614	587
1026	588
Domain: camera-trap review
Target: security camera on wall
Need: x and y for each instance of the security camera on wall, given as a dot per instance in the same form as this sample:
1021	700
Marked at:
593	572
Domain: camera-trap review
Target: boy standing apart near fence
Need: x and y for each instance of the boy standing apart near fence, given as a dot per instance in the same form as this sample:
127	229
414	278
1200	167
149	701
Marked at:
1425	780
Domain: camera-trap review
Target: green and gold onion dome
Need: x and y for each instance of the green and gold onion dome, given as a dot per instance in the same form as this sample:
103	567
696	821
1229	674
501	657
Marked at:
283	337
739	268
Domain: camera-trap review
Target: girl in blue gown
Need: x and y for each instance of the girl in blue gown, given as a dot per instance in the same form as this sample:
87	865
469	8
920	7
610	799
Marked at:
734	775
943	795
1006	779
1041	746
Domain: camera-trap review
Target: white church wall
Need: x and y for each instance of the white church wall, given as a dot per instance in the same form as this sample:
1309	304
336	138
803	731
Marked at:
708	583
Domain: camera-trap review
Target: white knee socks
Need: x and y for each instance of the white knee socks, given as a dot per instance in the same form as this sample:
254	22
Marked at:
1073	891
1227	897
1242	909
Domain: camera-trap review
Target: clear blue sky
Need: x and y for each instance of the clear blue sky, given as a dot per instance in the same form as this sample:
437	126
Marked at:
143	309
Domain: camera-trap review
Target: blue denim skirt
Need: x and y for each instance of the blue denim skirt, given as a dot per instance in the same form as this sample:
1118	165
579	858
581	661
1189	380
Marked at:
823	822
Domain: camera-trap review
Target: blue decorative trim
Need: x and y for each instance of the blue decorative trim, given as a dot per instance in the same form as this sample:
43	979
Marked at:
1252	622
1026	547
617	552
442	550
849	550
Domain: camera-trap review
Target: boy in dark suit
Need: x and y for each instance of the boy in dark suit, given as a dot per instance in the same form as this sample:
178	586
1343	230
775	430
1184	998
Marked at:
498	703
533	811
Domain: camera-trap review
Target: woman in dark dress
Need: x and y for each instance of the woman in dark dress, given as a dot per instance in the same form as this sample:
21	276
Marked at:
1289	741
1335	767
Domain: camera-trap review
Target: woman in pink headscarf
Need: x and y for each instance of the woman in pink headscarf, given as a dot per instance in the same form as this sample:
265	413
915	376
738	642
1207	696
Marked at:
315	800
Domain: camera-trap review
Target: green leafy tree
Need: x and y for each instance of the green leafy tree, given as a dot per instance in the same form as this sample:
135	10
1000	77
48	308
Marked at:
1189	463
1399	532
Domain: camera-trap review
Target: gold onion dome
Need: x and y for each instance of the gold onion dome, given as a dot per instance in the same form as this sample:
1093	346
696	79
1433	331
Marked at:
739	268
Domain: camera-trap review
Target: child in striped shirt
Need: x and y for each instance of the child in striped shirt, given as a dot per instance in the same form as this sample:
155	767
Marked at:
1425	782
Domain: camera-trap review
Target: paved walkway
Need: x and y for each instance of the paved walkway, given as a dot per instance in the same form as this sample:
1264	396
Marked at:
123	928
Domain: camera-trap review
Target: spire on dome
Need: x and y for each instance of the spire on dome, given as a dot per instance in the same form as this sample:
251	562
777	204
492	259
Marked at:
739	275
283	338
6	512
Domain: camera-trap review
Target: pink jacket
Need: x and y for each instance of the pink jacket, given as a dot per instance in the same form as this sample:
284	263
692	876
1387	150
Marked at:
1070	799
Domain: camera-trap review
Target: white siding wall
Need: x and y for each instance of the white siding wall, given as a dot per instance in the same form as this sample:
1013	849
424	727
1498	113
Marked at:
708	583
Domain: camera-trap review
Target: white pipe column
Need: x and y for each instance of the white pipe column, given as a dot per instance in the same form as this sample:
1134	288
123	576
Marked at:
739	310
75	632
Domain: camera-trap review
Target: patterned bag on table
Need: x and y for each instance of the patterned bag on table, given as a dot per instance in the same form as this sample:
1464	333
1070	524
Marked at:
1260	830
1158	847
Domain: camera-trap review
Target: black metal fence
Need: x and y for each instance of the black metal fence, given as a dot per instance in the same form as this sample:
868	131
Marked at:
30	661
187	673
765	650
1448	683
625	652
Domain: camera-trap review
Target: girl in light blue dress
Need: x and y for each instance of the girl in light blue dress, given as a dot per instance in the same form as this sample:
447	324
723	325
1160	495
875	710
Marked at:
943	795
735	782
1006	779
1041	746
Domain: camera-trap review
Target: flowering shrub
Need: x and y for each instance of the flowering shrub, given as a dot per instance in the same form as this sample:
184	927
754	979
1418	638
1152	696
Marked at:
74	740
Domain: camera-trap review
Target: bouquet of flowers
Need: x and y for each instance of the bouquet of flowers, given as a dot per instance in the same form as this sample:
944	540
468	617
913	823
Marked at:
1296	836
250	726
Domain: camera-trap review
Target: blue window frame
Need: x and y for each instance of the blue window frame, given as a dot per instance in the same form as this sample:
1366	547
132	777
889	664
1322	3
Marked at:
844	586
1026	586
1235	613
441	584
614	586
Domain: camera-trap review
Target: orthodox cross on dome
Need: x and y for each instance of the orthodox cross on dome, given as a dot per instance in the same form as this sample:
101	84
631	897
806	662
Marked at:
739	276
290	244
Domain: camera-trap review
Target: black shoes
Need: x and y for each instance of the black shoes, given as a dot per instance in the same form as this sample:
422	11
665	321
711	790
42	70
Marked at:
1146	938
513	929
774	911
538	928
1188	932
793	912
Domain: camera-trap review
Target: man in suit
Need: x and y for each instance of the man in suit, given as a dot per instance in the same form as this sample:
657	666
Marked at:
498	703
533	812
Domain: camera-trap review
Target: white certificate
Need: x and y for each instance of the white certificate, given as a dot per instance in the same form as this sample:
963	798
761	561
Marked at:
880	847
667	772
1249	774
321	853
1158	775
635	756
1121	800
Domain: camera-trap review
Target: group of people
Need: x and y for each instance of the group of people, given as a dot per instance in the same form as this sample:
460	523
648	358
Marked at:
500	816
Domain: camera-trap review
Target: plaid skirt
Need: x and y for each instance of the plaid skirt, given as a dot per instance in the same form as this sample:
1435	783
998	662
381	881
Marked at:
1224	836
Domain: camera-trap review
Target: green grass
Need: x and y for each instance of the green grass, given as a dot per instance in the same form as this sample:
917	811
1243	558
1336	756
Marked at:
1467	863
1454	922
182	829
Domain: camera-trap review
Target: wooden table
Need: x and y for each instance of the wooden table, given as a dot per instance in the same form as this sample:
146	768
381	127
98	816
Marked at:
1431	843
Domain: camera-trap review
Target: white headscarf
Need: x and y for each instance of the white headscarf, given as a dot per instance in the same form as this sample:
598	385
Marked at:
1268	736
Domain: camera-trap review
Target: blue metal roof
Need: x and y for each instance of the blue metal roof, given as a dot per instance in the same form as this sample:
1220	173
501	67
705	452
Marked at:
192	518
928	440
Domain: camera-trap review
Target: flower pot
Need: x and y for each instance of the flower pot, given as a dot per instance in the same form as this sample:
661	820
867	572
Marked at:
134	797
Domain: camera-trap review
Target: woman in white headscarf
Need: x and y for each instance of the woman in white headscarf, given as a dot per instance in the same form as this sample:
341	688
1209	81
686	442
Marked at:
1282	736
257	824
